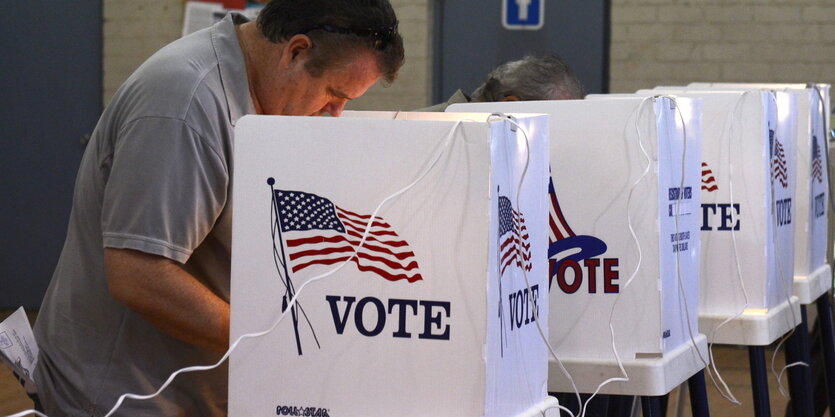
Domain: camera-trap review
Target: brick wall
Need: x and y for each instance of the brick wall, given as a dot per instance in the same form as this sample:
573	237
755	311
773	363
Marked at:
134	30
654	42
671	42
412	89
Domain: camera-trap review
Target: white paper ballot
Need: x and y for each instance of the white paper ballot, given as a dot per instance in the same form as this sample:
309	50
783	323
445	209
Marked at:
19	349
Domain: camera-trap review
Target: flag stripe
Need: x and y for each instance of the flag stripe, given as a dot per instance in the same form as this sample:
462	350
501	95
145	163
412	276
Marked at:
559	226
324	234
360	228
519	264
353	244
779	165
708	180
333	239
364	256
362	219
555	232
513	244
373	238
364	268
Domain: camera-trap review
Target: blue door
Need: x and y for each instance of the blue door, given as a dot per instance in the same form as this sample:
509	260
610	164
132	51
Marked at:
50	98
473	36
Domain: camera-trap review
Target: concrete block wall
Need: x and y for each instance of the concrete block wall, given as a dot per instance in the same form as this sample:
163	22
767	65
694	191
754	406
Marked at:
672	42
134	30
413	87
654	42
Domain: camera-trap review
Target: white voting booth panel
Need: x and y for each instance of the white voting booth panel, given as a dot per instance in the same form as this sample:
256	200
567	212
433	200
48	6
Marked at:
748	196
812	273
433	315
595	160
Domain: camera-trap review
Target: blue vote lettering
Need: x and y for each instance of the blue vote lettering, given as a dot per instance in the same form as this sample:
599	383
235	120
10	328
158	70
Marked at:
433	318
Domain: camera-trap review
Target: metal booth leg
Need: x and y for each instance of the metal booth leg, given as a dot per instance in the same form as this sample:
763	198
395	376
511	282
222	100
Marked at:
698	395
759	381
828	342
651	406
620	406
800	377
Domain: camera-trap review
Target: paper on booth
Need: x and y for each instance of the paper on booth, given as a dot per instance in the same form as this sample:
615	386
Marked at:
419	325
18	348
749	147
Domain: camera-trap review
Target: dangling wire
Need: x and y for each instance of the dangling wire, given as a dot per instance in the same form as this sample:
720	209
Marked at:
730	123
782	278
625	376
292	302
503	117
821	109
682	294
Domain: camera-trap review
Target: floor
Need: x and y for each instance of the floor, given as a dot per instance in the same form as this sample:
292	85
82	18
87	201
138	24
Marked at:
731	361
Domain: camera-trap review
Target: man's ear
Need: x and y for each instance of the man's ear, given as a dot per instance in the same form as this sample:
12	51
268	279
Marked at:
296	50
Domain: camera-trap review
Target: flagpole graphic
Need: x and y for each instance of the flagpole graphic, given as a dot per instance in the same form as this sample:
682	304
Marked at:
309	230
281	267
514	249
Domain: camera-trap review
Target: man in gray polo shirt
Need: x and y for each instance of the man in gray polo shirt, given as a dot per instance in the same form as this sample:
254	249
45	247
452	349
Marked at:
142	285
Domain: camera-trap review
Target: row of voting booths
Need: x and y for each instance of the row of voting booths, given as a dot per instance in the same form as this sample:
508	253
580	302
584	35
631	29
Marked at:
471	262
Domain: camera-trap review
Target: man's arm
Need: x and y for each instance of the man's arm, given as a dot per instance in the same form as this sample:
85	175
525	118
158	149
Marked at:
168	297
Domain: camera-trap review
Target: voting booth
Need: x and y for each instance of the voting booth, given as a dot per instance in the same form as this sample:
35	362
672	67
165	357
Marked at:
418	235
812	272
748	203
617	165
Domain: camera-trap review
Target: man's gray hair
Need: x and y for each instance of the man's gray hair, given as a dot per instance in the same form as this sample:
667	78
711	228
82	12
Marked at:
545	77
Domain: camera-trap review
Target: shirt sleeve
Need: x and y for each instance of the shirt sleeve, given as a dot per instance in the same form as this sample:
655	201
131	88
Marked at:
166	189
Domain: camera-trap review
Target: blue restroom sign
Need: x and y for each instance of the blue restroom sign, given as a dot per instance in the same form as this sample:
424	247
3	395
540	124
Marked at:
523	14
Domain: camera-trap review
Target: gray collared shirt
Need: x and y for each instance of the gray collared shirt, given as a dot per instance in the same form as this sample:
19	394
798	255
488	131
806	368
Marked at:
156	177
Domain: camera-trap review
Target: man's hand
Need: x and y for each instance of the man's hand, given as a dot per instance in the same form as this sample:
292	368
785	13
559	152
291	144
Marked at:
168	297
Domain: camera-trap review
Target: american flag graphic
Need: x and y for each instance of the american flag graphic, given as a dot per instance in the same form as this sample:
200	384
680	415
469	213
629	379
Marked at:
318	232
817	167
708	181
559	228
514	247
779	169
563	244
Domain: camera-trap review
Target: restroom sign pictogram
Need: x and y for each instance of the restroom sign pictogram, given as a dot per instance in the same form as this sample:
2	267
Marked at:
523	14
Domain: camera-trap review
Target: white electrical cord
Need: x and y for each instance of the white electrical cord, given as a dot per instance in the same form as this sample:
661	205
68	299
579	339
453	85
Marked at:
824	139
545	340
625	377
786	291
728	395
678	253
730	124
825	150
292	301
27	413
557	406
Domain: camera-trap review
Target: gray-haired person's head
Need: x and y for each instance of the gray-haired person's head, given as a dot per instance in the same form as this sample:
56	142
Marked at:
545	77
